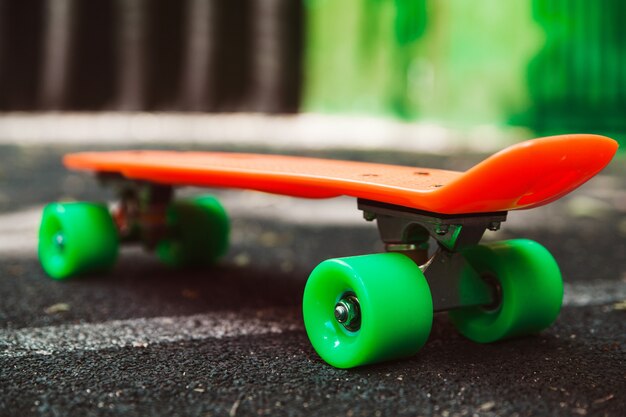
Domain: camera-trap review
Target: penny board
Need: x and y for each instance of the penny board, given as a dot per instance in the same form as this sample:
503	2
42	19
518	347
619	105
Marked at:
522	176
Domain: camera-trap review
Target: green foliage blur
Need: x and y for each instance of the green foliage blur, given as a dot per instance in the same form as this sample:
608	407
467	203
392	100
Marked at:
554	66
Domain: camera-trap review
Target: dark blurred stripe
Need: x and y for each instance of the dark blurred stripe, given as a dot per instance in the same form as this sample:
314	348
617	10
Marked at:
166	50
94	61
233	59
21	29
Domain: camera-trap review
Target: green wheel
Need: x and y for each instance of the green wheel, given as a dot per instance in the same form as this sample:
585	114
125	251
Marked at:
366	309
77	238
199	229
530	291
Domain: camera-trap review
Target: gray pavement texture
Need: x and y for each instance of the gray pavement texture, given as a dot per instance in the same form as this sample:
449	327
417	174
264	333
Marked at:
148	340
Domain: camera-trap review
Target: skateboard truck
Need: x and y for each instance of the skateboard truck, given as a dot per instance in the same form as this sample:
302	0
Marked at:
408	231
140	215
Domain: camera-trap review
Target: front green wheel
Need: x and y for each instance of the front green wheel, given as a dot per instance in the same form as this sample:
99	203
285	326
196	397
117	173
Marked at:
529	285
199	230
366	309
77	238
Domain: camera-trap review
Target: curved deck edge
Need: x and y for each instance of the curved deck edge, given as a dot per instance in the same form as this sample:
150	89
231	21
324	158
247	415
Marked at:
522	176
527	175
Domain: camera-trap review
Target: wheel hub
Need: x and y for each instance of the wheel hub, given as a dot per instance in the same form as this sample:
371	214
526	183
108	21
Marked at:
496	289
59	240
348	312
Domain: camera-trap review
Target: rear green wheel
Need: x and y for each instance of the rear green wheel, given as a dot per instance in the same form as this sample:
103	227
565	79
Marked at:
199	228
77	238
529	285
367	309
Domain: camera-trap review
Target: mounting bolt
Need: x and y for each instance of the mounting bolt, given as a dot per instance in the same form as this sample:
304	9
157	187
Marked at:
369	216
348	312
341	313
442	229
494	226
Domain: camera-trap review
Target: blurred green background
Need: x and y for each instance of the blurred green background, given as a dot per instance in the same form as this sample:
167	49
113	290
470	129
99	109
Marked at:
552	65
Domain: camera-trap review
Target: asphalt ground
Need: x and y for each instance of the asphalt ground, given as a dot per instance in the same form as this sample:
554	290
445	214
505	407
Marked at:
148	340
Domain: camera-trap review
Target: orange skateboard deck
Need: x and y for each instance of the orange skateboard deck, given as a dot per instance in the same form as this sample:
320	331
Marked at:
522	176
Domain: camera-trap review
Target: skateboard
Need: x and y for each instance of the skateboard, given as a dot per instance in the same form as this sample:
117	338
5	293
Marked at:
361	309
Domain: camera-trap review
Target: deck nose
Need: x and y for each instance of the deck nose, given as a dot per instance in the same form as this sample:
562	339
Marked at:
569	168
602	148
528	174
565	163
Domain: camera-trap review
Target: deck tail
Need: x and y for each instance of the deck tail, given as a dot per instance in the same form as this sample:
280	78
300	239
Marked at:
529	174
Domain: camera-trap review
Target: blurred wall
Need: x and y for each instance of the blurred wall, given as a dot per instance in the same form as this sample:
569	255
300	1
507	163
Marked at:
197	55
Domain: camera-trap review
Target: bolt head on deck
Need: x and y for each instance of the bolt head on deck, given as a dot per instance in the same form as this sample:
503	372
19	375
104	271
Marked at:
494	226
442	229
